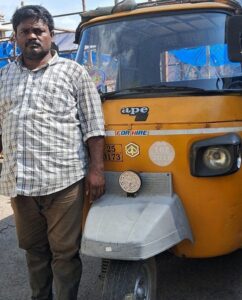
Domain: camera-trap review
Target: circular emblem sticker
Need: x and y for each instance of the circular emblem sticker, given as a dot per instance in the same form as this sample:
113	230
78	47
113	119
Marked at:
162	153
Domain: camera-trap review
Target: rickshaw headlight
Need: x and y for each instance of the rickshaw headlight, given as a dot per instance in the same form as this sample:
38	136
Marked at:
216	156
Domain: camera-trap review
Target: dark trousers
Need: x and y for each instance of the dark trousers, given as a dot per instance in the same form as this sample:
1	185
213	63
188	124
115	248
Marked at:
49	229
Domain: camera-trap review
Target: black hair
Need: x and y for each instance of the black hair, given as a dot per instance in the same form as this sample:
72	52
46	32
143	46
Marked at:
35	12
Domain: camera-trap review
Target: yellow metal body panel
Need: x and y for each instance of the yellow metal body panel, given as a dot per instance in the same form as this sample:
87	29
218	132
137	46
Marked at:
213	204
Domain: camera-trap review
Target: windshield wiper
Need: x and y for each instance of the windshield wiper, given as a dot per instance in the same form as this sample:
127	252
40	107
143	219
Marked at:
150	89
163	87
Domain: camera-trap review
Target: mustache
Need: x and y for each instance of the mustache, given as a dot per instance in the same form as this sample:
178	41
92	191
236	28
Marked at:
32	43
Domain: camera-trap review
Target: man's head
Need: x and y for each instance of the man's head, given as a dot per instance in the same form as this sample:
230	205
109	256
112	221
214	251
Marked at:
33	26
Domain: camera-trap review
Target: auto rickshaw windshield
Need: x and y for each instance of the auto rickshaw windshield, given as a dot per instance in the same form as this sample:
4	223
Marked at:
185	50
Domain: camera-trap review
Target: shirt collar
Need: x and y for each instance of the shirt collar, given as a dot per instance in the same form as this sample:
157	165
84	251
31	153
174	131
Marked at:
53	60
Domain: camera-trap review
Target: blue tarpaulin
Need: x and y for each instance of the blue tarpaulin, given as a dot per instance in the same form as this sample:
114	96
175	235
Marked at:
217	54
7	51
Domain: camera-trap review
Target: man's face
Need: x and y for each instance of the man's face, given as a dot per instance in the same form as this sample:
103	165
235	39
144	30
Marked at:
34	39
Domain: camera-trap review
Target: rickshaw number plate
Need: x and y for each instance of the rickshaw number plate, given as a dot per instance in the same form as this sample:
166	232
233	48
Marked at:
113	152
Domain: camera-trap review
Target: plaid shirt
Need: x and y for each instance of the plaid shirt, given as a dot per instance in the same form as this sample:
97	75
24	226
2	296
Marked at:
46	115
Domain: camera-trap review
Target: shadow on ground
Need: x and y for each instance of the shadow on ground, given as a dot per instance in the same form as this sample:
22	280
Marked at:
218	278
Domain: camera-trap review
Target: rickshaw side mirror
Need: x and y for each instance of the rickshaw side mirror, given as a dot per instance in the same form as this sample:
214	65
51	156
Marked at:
234	38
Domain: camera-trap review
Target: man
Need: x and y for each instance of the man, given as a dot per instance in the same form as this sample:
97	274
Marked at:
52	137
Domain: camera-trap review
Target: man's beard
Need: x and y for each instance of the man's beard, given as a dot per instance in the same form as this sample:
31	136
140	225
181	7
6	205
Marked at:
34	53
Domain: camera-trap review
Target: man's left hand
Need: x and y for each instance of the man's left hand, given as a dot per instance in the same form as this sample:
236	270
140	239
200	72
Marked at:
94	184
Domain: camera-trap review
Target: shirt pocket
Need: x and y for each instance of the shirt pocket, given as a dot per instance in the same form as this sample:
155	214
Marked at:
57	100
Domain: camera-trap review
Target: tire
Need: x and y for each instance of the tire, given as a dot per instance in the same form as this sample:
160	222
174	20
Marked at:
130	280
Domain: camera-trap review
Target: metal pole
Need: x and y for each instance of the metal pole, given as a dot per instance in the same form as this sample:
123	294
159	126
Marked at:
83	5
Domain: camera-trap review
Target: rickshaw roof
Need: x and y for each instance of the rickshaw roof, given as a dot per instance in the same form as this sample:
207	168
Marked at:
106	13
102	14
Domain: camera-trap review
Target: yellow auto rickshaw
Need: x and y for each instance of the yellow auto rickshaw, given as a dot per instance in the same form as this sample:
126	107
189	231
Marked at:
170	77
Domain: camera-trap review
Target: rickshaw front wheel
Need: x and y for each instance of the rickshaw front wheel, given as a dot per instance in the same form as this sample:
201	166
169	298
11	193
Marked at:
130	280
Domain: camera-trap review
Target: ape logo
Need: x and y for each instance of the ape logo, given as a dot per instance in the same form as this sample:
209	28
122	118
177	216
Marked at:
140	113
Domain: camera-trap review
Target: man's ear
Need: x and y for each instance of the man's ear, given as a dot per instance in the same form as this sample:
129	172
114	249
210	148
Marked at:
13	37
52	33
